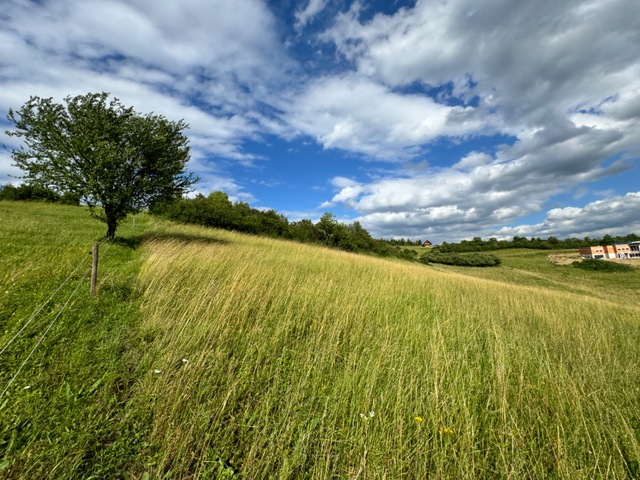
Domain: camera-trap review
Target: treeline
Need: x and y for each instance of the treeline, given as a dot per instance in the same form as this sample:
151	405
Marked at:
34	193
551	243
403	242
217	211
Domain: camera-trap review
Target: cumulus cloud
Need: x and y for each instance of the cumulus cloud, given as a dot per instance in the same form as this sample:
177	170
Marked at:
223	36
549	50
534	63
476	194
561	79
533	66
209	63
613	216
356	114
547	91
8	173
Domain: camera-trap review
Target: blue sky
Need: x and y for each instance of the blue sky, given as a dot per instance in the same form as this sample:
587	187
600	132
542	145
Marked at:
439	120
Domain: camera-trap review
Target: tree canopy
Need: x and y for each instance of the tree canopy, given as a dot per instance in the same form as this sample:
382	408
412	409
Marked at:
102	152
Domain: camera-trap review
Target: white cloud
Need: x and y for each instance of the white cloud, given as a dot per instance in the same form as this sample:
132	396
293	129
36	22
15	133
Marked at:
8	173
224	53
477	193
474	159
613	216
343	182
560	78
209	63
353	113
617	215
531	62
530	65
512	49
230	36
560	81
307	14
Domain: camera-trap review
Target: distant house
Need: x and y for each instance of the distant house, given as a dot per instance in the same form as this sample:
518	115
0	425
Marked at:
620	250
592	252
427	244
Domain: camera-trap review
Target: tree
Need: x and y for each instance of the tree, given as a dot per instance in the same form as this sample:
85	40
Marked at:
359	240
304	231
102	152
608	240
332	232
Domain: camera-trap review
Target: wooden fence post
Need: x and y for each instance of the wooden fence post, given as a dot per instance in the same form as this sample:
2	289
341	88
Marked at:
94	268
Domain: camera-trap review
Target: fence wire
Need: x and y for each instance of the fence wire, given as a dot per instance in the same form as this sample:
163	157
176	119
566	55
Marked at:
42	337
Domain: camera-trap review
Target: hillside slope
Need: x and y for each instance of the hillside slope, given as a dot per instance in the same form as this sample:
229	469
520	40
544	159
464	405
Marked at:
228	355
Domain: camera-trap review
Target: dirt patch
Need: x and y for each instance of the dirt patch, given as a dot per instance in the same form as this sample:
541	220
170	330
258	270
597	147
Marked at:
564	258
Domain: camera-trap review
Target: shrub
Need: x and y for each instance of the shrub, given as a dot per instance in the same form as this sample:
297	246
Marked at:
462	259
26	192
595	265
70	198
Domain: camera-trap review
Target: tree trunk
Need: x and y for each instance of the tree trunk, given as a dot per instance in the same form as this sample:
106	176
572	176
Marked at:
112	223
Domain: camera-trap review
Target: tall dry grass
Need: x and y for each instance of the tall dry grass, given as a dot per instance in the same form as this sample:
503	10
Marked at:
277	360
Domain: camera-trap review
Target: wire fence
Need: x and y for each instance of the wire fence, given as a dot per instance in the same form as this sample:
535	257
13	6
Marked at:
56	316
44	334
39	309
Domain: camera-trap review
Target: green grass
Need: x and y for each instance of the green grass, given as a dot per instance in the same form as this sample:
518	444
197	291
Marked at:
62	416
533	268
513	372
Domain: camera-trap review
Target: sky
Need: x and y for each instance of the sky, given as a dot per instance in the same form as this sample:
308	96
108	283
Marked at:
425	119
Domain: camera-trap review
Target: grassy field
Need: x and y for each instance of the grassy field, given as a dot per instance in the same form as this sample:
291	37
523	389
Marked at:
210	354
527	267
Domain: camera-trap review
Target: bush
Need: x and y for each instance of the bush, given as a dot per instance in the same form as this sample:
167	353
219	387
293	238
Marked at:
462	259
70	199
26	192
595	265
35	193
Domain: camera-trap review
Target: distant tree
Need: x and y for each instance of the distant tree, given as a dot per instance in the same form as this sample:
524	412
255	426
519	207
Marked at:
220	211
358	239
28	193
36	193
572	243
247	219
332	232
608	240
304	231
102	152
272	224
445	247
